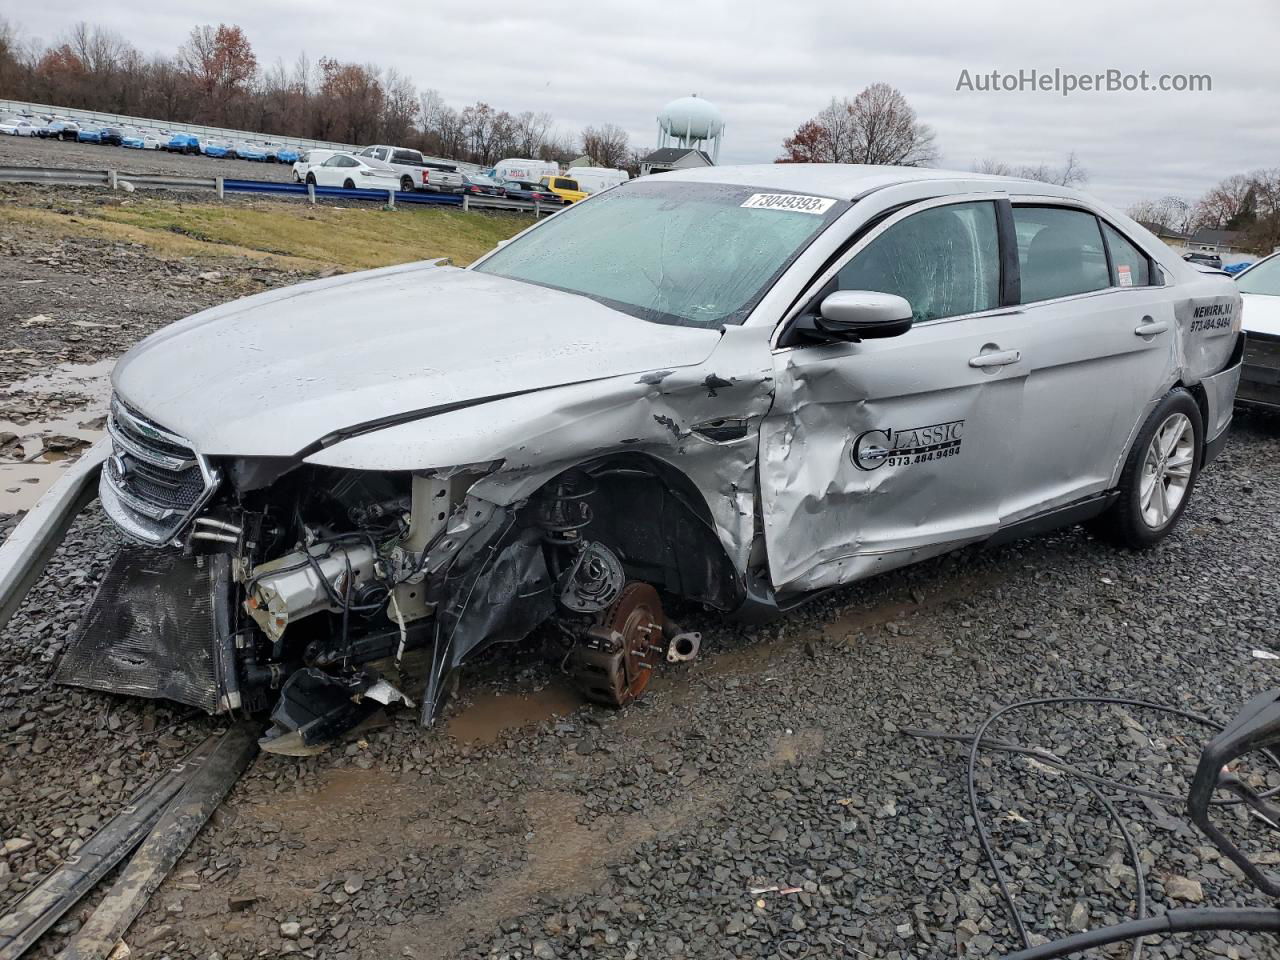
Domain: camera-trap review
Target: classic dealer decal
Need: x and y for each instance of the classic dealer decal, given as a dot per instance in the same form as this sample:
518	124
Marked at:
872	449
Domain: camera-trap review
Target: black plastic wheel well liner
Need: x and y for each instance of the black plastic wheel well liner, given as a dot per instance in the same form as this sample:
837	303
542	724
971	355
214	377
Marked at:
658	522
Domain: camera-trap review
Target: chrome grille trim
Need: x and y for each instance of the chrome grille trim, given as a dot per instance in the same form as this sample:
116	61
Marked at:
172	484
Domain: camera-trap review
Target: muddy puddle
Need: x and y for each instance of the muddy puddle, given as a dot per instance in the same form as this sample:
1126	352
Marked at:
35	450
490	714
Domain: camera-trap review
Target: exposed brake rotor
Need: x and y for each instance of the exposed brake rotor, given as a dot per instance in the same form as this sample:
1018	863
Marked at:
614	662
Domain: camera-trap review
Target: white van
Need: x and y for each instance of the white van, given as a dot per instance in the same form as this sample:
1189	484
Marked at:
595	179
531	171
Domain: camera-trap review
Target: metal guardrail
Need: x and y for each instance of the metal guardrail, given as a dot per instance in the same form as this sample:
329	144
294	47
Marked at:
116	179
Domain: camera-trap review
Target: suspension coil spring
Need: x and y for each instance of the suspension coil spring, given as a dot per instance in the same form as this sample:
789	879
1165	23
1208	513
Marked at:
564	510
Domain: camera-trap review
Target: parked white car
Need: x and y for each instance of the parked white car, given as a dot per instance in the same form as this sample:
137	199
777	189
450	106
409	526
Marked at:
17	126
312	158
354	173
1260	289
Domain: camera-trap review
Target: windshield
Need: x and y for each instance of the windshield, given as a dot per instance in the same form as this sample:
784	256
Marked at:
694	254
1264	278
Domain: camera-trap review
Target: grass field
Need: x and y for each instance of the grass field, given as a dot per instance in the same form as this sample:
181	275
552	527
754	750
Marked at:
293	235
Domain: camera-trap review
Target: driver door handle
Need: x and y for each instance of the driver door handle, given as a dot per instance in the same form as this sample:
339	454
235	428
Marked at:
1003	358
1149	327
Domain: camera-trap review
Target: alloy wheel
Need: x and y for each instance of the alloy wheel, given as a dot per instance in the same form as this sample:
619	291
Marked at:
1166	470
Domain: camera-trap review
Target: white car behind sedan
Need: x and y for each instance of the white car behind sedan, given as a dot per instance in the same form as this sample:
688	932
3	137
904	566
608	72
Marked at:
354	173
17	126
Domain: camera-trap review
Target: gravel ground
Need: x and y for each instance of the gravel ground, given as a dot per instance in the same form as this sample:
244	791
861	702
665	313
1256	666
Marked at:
34	152
71	305
777	760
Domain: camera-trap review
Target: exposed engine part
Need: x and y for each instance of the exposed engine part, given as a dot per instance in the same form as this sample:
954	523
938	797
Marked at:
316	708
593	581
613	663
682	645
298	584
219	525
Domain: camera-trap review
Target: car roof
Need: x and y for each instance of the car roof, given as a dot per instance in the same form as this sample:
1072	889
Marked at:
847	181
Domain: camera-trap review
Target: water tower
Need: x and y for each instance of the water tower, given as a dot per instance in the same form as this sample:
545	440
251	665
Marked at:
689	122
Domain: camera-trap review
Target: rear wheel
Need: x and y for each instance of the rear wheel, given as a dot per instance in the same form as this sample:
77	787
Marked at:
1158	476
406	184
348	184
311	179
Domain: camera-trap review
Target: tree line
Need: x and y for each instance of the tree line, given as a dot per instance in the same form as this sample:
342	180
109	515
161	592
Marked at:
1246	202
215	78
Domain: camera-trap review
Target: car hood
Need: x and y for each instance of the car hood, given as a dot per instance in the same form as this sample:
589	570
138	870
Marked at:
274	374
1261	314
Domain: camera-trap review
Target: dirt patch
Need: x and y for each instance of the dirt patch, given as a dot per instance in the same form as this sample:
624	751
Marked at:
489	714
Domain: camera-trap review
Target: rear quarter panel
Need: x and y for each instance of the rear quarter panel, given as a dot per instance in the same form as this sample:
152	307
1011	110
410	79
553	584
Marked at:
1208	314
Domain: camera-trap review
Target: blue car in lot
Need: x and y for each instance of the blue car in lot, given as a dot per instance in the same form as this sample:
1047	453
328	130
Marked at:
286	155
247	151
89	135
183	143
133	141
217	150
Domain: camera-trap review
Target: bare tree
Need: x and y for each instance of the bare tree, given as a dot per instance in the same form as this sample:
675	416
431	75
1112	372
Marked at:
531	130
607	144
1226	206
221	64
400	106
12	72
877	126
1168	213
1070	174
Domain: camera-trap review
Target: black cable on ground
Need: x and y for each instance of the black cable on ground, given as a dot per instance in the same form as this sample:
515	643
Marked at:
1250	919
1044	756
1174	921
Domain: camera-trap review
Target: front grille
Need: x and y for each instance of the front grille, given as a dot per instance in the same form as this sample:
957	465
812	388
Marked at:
155	481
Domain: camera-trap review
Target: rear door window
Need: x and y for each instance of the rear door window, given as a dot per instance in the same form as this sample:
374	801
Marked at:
1060	253
1129	265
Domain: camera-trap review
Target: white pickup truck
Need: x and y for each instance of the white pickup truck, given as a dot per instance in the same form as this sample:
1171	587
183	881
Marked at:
417	172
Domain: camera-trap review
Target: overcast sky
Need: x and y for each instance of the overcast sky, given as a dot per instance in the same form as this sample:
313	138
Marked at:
771	66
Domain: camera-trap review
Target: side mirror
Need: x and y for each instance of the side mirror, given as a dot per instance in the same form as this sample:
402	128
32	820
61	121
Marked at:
862	315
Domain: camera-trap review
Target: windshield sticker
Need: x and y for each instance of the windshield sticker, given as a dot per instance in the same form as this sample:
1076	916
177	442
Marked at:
794	202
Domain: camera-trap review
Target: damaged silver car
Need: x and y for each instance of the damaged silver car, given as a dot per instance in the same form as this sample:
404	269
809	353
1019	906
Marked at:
734	386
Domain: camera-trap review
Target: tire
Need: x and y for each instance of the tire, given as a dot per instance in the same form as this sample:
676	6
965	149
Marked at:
1159	475
406	184
348	184
311	178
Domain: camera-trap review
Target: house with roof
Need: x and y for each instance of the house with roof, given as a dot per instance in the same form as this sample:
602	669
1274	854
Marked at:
1220	242
674	158
1174	238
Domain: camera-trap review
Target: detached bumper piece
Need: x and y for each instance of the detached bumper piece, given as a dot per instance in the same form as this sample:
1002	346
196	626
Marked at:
316	708
159	627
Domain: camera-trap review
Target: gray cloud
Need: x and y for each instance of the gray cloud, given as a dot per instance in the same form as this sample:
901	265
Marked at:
770	66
